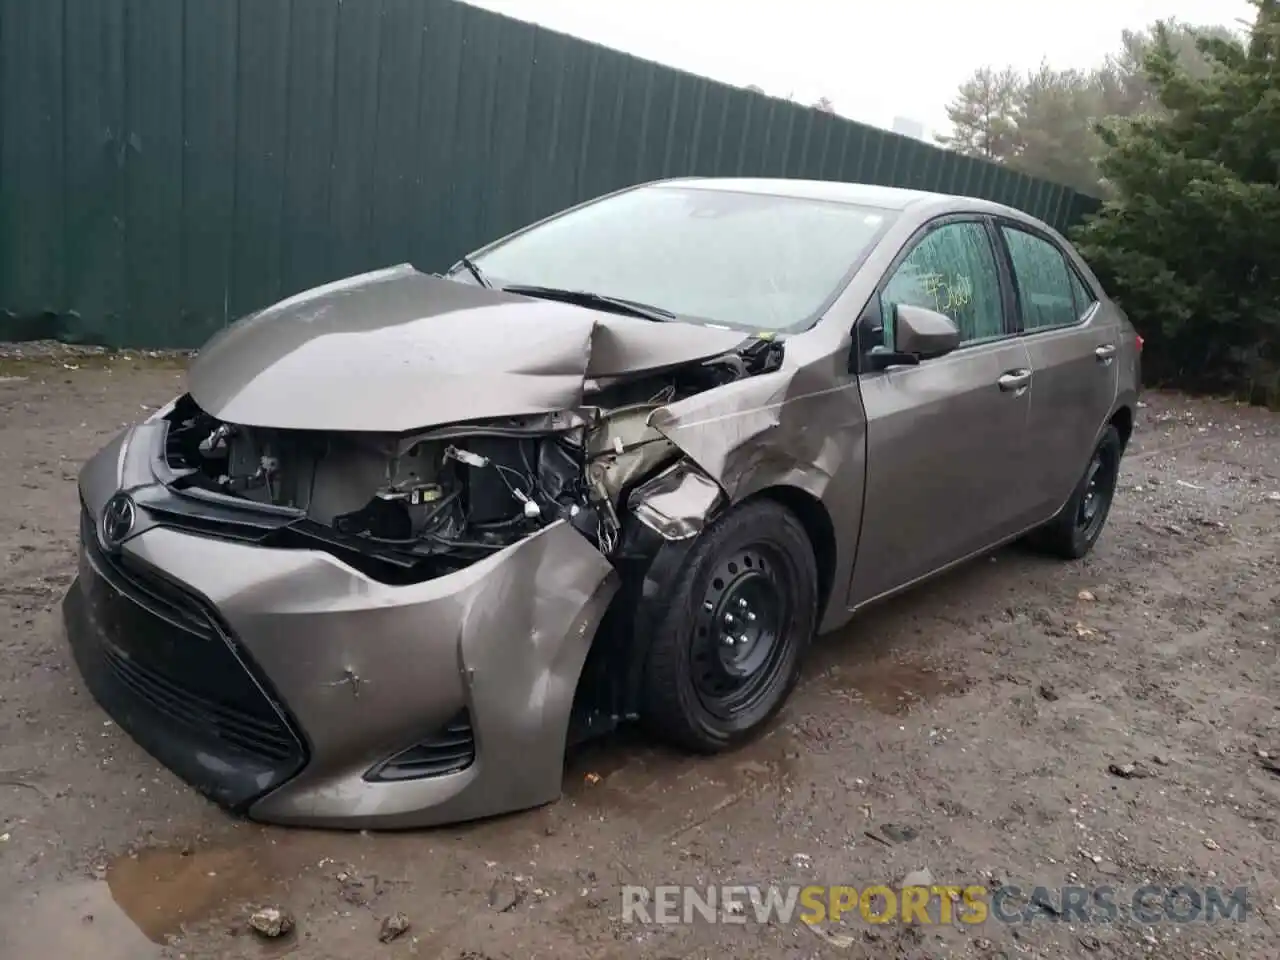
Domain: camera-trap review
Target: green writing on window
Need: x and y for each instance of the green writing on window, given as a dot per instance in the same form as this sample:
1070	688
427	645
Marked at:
950	293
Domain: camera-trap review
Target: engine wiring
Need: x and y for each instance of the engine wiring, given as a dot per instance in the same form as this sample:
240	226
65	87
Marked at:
433	519
438	506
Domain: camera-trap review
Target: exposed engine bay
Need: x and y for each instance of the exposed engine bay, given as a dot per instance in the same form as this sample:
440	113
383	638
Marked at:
435	501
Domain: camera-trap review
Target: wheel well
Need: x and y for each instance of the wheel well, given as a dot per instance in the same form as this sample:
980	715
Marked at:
1122	420
813	516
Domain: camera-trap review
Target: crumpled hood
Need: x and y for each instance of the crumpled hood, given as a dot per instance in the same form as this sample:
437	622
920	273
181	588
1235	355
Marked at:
399	350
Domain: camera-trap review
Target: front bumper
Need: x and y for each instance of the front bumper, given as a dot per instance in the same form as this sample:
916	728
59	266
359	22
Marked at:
279	682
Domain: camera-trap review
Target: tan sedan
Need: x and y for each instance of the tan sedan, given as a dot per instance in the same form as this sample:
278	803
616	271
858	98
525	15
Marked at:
407	536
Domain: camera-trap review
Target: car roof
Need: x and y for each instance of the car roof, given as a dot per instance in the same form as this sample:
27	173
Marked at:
859	194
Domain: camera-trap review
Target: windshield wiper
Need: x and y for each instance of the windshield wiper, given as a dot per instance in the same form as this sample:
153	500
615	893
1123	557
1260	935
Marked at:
475	272
585	298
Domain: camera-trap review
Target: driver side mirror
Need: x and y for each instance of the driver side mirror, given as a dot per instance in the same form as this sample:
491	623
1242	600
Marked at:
918	334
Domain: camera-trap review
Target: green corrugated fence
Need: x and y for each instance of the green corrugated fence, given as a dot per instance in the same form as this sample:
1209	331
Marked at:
169	165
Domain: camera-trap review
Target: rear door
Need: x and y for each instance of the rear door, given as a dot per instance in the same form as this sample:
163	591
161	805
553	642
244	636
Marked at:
947	454
1074	351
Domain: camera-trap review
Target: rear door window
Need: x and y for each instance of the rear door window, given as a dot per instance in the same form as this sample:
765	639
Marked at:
1084	296
1044	281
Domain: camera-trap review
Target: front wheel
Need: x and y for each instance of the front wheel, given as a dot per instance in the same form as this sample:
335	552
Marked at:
726	652
1073	532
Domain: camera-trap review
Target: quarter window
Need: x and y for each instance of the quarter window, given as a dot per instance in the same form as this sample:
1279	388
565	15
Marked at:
1044	281
951	270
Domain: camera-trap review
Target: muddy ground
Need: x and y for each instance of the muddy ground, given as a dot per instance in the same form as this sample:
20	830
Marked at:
981	712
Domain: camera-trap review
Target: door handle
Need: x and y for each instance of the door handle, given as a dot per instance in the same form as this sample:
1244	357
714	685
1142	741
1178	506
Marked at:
1014	380
1105	352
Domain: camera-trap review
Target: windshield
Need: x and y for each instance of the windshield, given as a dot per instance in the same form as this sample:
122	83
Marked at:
744	260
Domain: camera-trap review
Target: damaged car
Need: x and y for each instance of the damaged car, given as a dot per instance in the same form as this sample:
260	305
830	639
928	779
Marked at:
407	537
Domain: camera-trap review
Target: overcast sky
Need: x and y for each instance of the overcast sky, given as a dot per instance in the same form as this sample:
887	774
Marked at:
876	59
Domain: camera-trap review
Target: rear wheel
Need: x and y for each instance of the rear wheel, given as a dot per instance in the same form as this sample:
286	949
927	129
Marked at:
726	652
1074	531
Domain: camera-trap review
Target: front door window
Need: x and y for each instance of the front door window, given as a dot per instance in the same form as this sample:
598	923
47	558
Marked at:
952	270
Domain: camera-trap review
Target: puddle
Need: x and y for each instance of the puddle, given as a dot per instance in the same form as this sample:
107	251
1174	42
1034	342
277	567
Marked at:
143	901
74	920
163	888
890	686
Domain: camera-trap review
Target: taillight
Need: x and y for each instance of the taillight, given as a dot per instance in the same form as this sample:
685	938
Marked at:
1137	338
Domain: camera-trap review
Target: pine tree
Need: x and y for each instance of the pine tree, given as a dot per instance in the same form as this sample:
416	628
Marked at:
1190	242
983	115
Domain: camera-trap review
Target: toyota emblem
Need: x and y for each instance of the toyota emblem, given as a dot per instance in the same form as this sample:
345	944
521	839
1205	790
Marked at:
117	520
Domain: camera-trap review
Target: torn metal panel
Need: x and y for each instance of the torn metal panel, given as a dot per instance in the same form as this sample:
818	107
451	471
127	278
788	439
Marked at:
398	350
678	503
625	449
798	427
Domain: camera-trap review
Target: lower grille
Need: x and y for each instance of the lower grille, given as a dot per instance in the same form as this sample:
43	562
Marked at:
237	729
160	661
450	750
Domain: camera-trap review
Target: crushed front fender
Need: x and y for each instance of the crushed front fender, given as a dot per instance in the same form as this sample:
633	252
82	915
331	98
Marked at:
796	429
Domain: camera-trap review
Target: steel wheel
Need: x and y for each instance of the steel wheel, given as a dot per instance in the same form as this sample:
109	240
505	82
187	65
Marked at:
736	650
1099	489
1073	531
732	619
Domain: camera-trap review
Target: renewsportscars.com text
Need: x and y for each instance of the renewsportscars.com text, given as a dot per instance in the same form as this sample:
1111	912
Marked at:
936	904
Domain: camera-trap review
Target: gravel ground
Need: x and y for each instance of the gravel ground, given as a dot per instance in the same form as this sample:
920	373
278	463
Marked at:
966	729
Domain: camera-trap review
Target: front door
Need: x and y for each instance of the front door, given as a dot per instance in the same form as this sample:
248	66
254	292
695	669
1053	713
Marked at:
947	451
1074	347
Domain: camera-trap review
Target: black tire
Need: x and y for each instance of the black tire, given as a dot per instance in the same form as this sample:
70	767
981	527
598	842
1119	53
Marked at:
1073	532
701	692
